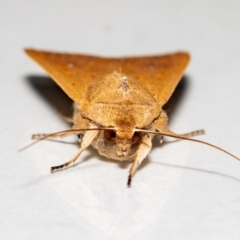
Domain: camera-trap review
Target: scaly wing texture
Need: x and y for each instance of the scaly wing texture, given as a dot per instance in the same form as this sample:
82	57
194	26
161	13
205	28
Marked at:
159	74
74	73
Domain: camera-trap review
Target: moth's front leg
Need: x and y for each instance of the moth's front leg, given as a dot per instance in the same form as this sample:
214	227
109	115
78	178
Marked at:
143	150
86	141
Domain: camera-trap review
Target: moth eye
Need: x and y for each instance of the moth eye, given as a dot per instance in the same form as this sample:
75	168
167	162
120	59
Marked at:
137	137
110	136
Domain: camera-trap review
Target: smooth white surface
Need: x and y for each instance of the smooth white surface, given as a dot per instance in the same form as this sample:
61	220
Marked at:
183	190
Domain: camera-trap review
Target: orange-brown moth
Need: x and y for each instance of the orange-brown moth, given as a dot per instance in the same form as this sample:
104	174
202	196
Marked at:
117	101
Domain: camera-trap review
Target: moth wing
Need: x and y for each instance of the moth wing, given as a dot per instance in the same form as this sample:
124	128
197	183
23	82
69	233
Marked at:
74	73
158	74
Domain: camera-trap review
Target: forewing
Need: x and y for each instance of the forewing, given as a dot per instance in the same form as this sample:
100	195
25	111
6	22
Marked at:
159	74
74	73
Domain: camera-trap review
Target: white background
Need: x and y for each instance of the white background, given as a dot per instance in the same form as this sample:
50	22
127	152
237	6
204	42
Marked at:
183	190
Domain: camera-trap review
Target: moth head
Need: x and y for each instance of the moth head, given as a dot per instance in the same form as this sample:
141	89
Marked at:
124	136
123	140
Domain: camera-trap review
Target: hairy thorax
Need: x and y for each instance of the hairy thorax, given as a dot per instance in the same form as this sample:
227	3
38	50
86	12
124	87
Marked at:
118	101
116	98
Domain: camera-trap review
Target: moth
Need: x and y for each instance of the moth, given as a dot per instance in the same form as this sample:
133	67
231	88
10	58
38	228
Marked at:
118	102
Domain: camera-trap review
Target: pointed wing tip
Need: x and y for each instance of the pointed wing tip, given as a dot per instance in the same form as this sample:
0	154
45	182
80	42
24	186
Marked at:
183	58
185	55
29	51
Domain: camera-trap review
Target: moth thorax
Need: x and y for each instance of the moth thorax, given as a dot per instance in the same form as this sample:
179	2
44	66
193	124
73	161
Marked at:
125	122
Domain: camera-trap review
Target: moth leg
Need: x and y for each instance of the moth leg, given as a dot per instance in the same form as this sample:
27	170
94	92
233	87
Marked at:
41	135
38	135
79	122
161	140
192	134
161	125
86	141
80	137
143	150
